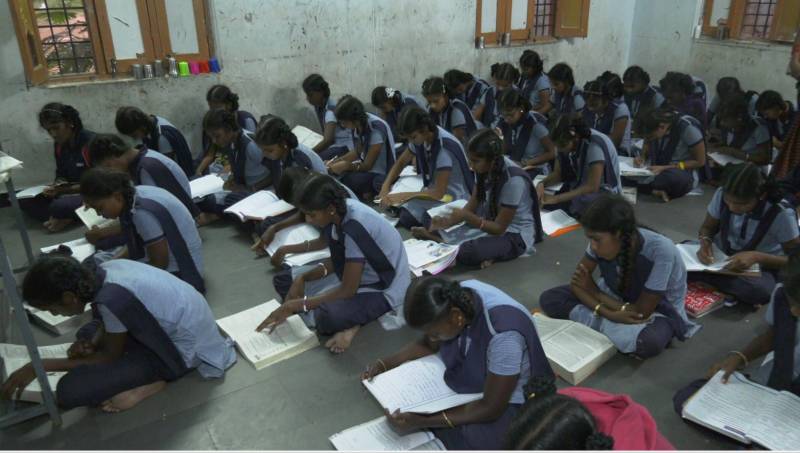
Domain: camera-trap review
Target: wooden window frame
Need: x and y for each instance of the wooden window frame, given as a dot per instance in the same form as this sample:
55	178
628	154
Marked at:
736	19
526	35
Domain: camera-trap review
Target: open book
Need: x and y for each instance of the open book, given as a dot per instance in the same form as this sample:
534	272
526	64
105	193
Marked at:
298	234
628	168
81	248
446	209
259	206
747	412
417	386
91	218
377	435
31	192
262	349
16	356
630	194
57	324
206	185
724	159
408	181
549	189
430	256
689	255
574	351
306	136
555	223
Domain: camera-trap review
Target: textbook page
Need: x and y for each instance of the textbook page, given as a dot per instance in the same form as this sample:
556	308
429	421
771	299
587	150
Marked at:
689	255
81	248
724	159
306	136
554	221
91	218
432	445
377	435
417	386
206	185
776	426
628	168
56	323
446	209
297	234
421	252
16	356
259	206
261	348
576	349
550	189
412	183
31	192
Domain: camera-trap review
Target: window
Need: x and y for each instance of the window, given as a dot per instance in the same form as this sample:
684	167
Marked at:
524	21
773	20
68	40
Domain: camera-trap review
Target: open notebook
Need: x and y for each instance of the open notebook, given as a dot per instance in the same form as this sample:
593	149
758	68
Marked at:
555	223
574	351
377	435
81	248
409	181
724	159
549	189
747	412
206	185
306	136
56	324
298	234
444	210
417	386
31	192
260	348
16	356
430	256
689	255
628	168
259	206
91	218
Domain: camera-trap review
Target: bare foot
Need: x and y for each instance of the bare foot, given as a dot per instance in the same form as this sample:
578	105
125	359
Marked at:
205	218
486	264
130	398
423	233
56	225
662	194
341	341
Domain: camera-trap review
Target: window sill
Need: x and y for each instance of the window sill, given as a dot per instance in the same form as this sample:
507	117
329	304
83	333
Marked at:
96	80
749	44
548	40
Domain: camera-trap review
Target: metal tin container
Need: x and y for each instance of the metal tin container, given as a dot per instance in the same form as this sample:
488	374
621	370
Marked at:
148	71
138	72
173	66
158	68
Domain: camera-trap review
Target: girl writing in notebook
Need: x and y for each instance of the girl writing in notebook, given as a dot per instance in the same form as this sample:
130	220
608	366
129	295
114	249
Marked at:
501	219
488	343
779	115
439	159
639	95
639	305
280	147
368	264
155	133
744	137
336	140
534	83
466	87
150	328
221	97
390	102
748	221
452	115
526	139
608	114
567	98
679	92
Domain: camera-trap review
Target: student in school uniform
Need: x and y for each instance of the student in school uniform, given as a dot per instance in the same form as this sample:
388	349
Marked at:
726	88
744	136
390	102
779	115
155	133
466	87
526	140
440	160
336	140
364	168
488	343
605	113
675	148
505	76
679	92
248	172
639	304
280	147
748	221
452	115
501	219
587	164
367	258
534	83
700	89
639	95
150	328
579	418
157	228
221	97
780	338
56	205
567	98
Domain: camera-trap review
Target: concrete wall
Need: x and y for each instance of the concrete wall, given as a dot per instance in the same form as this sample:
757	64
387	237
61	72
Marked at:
267	48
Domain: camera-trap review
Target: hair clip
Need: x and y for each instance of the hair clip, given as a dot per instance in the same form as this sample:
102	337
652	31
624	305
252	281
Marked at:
390	92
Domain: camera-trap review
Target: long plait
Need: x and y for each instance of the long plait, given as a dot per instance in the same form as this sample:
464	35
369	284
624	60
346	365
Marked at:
626	260
495	175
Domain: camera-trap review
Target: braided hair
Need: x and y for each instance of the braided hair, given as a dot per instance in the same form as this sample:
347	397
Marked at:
551	421
292	180
613	214
677	81
98	183
414	118
433	86
613	84
569	127
106	146
562	72
220	119
746	181
429	299
321	191
383	94
506	72
130	119
316	83
486	145
349	108
636	74
454	78
54	274
223	94
56	112
649	120
273	131
531	60
512	99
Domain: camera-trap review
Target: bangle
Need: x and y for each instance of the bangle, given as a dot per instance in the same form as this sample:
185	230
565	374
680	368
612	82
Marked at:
624	306
706	238
305	307
383	364
324	269
447	420
682	165
597	309
743	357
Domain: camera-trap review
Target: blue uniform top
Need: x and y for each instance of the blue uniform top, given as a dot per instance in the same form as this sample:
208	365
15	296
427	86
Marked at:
457	185
327	116
379	132
592	151
247	160
572	102
72	158
750	139
515	194
762	375
175	170
533	88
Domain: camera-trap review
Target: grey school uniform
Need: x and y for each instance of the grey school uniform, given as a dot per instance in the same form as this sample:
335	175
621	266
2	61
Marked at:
343	136
164	146
150	230
751	105
758	136
594	154
572	102
673	148
317	165
381	166
542	84
534	147
148	180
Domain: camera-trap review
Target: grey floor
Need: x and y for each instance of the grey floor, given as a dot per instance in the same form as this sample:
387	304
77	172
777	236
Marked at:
298	403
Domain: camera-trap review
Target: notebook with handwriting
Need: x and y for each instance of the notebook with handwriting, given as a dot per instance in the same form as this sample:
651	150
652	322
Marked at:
16	356
377	435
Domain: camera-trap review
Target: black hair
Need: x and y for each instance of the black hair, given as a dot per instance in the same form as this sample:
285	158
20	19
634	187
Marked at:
428	299
315	83
106	146
292	179
727	86
485	144
506	72
791	277
321	191
54	274
413	118
221	93
454	77
349	108
563	73
613	214
97	183
636	74
511	99
568	127
649	120
382	94
612	84
220	119
130	119
746	181
770	99
735	106
530	59
56	112
493	69
596	88
433	86
551	421
676	81
273	130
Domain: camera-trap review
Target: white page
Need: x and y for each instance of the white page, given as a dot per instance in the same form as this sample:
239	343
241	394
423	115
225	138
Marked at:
81	248
16	356
630	194
31	192
49	318
432	445
408	184
689	255
295	234
91	218
627	168
776	426
421	253
306	136
377	435
259	206
417	386
301	259
8	163
553	221
552	188
437	266
408	170
446	209
724	159
206	185
570	344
